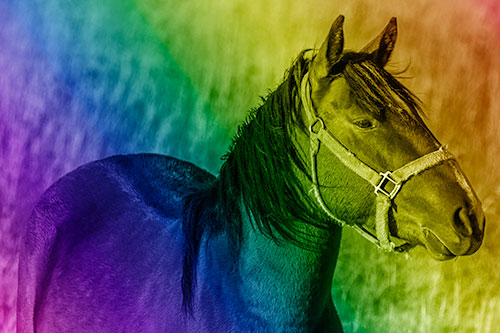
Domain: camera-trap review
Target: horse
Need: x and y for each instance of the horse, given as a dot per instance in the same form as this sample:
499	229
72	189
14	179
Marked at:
151	243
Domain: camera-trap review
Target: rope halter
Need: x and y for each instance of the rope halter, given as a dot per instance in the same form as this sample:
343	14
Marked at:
386	184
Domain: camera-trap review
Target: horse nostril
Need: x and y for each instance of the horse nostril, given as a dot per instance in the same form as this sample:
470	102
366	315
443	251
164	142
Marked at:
462	222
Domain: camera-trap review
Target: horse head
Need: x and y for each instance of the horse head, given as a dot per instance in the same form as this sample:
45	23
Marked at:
367	134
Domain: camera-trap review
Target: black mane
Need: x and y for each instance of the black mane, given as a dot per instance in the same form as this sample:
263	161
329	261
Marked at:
259	174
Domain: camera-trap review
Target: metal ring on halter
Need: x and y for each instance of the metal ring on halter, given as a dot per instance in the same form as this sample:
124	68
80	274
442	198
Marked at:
317	120
386	179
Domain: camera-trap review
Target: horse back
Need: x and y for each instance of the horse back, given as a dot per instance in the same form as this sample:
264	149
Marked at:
104	247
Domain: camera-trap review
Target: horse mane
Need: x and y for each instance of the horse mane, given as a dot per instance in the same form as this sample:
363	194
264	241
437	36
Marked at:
259	175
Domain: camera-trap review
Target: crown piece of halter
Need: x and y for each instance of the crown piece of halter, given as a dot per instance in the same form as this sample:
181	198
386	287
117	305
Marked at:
386	184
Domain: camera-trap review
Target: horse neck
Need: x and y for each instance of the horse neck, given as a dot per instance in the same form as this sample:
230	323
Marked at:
267	285
277	286
288	287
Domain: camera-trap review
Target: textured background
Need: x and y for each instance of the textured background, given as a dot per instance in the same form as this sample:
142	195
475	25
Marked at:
82	80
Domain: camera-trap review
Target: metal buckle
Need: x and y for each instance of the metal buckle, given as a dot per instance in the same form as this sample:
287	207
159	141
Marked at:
386	179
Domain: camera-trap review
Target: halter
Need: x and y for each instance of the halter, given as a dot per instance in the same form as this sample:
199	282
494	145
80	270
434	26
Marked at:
386	184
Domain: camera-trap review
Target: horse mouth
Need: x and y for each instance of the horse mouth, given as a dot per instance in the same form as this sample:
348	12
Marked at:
436	248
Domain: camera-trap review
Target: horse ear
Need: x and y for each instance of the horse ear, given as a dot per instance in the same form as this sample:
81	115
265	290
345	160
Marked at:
331	49
381	47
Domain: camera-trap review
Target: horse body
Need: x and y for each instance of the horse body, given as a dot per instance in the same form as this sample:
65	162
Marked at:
105	247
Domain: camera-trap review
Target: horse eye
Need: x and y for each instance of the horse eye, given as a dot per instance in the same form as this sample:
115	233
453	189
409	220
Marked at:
364	123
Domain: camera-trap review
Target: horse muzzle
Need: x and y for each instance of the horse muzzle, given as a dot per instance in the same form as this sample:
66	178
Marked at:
463	238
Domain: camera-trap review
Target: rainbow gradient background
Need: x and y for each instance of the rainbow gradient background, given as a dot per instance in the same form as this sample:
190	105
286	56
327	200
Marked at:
82	80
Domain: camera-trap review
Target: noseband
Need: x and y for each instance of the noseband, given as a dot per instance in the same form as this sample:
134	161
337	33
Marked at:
386	184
